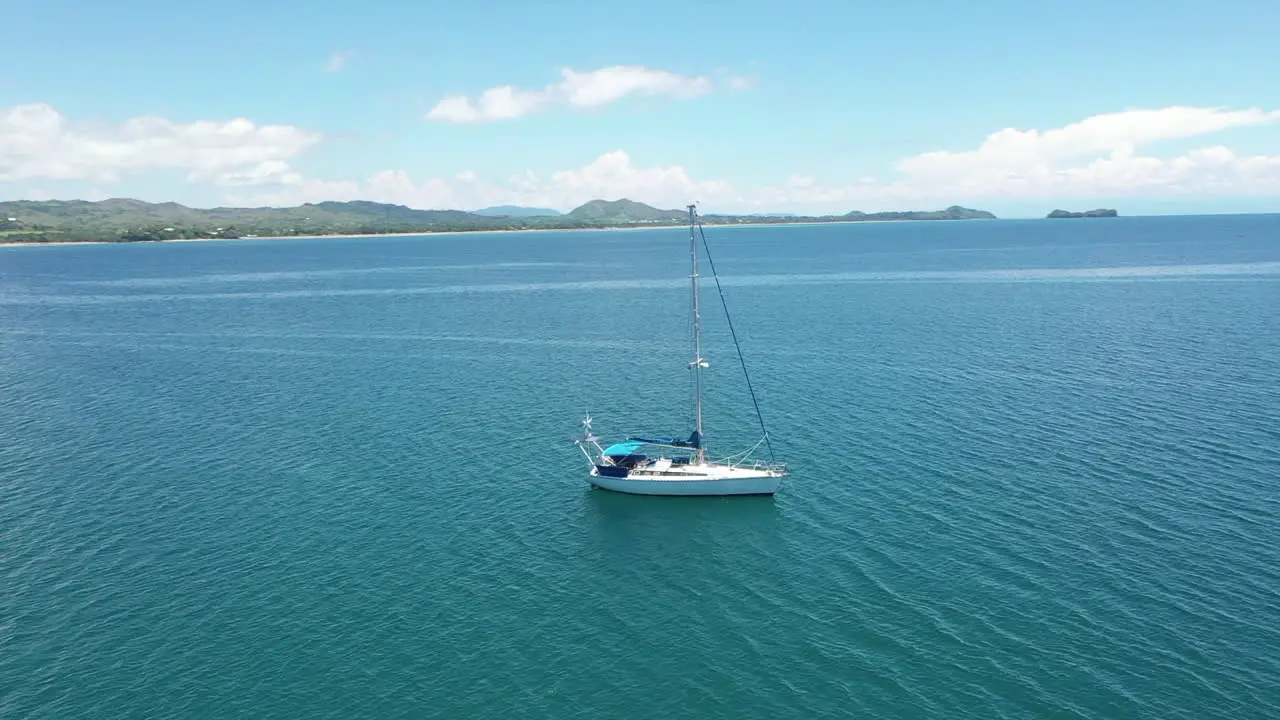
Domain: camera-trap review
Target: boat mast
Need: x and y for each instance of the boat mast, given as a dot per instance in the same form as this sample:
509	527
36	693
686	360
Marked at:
698	363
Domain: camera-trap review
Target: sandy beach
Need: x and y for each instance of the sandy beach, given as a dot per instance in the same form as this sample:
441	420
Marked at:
352	235
456	232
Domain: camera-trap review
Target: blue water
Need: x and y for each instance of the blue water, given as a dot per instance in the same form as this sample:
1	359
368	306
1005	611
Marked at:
1035	474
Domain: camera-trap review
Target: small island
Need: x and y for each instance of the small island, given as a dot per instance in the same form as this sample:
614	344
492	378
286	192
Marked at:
1101	212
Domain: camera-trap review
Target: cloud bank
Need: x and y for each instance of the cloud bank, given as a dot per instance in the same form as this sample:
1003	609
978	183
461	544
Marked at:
1100	157
37	142
1096	156
612	175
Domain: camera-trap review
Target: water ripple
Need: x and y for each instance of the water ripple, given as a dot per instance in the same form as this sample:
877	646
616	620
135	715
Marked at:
1022	487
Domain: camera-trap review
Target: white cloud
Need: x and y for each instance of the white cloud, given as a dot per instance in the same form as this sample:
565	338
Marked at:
575	89
1034	164
270	172
500	103
338	61
606	85
1096	158
1104	156
36	142
611	176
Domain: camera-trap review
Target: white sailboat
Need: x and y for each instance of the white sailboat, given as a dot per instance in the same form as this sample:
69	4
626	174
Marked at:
670	466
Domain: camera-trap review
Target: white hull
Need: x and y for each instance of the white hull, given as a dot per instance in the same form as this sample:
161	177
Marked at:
738	482
630	467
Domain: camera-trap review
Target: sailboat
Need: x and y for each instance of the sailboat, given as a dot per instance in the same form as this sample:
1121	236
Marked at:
647	465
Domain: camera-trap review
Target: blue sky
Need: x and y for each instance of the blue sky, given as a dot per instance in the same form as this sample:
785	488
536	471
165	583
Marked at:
744	106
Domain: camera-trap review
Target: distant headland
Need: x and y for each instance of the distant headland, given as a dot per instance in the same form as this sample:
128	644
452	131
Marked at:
125	220
1057	214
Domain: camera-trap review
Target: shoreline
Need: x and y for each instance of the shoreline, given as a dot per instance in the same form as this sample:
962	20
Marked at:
333	236
431	233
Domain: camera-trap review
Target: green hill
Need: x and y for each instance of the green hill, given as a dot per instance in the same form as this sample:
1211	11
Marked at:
624	211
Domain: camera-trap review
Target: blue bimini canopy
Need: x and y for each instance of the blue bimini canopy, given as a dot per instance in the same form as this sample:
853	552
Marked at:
655	441
695	440
633	444
624	449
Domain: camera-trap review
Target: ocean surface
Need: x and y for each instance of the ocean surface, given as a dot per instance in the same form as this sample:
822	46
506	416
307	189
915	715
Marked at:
1035	474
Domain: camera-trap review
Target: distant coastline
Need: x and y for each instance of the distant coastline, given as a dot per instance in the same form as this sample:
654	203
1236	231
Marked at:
478	231
126	221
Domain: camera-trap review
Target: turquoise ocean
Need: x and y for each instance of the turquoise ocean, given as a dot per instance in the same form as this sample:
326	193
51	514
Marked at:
1035	474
